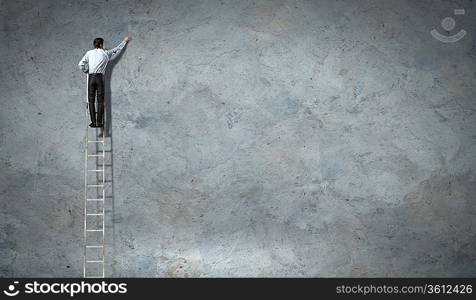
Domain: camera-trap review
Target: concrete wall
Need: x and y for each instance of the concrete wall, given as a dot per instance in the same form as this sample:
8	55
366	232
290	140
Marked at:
249	138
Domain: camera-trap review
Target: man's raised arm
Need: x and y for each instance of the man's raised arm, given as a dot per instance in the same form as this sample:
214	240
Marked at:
115	51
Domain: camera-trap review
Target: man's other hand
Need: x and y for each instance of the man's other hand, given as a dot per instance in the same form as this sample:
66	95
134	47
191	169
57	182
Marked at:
127	38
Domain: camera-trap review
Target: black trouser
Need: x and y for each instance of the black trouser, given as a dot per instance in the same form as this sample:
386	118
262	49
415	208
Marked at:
96	84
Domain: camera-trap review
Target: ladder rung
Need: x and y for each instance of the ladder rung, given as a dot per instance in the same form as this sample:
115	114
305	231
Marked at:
94	246
95	199
95	155
94	230
93	276
95	170
98	141
95	261
95	185
98	214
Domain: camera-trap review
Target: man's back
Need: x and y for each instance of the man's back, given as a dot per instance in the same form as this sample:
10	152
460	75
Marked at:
97	60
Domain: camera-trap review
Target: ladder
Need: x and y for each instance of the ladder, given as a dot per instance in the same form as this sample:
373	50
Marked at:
94	198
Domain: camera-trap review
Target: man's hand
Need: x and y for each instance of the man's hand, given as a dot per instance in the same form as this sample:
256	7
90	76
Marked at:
127	38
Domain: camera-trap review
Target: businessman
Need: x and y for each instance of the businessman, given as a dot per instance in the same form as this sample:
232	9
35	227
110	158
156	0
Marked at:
94	63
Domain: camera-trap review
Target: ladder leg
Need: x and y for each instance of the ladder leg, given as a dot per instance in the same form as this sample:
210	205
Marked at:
85	177
103	191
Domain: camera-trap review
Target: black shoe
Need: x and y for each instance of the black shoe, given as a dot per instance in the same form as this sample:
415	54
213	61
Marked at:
100	124
93	125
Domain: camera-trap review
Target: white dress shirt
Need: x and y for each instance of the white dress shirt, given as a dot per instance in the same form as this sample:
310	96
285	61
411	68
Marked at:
95	60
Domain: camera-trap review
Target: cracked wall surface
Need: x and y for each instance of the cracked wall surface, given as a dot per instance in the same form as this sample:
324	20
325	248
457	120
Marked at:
249	138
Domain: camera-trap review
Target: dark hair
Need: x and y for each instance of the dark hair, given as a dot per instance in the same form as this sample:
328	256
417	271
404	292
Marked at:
98	42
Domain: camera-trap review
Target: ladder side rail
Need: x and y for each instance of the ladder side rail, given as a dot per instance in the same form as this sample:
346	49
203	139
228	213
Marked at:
104	189
86	178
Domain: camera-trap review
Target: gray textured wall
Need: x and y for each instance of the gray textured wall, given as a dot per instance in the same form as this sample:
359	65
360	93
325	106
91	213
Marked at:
249	138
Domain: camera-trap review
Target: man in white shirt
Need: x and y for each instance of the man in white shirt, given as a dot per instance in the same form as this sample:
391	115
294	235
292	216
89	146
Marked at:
94	63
